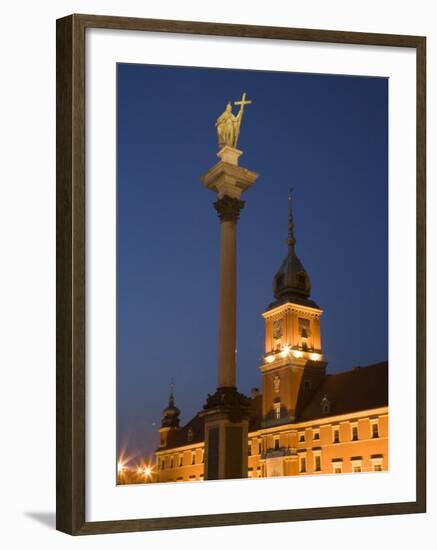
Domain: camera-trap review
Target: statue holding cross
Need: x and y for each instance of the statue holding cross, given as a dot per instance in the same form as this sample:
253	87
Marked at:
228	125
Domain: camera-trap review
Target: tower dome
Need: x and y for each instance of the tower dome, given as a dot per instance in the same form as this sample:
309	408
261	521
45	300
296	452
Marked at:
170	415
291	280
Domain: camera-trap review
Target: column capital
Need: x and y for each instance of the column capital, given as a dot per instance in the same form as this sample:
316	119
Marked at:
228	208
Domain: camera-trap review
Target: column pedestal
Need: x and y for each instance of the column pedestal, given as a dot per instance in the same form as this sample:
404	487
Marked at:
226	416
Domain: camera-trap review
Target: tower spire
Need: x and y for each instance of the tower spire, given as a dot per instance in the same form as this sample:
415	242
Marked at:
171	396
170	415
291	241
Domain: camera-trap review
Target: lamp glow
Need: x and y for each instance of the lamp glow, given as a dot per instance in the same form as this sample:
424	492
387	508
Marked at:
270	358
285	351
297	353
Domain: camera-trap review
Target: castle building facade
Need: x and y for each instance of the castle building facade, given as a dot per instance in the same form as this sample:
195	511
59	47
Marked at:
304	421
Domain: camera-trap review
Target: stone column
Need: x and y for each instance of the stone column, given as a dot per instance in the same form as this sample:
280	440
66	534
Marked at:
226	412
228	210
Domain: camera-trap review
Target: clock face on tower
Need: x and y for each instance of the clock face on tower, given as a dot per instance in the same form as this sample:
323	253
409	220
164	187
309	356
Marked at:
277	329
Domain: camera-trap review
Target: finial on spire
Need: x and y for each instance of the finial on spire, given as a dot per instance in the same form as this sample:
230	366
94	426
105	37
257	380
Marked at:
171	397
291	240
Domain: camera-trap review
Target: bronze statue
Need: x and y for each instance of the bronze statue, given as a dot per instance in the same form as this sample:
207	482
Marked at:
228	125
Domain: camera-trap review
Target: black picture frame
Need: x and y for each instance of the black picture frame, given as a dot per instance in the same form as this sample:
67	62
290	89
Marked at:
71	281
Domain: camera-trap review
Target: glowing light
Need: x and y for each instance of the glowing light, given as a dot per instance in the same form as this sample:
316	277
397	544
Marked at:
285	351
147	471
120	467
315	357
270	358
297	354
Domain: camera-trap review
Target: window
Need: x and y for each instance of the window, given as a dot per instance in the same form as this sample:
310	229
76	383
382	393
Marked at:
303	465
375	429
357	462
336	438
316	435
277	329
171	462
302	437
249	448
193	457
259	447
277	408
190	435
277	444
304	328
354	433
377	463
337	466
326	405
317	463
181	460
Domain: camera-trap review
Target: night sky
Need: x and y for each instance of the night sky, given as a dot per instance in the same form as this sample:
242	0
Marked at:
326	136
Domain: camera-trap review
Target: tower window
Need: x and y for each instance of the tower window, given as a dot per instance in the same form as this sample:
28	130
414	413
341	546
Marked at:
326	405
190	435
277	410
277	329
304	328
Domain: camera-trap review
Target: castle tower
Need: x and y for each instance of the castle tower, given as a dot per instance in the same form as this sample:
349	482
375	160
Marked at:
293	363
170	420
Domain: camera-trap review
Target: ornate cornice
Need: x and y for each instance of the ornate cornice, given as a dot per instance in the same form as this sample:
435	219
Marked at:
228	400
228	208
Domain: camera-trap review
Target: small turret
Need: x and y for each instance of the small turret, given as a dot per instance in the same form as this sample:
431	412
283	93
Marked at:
170	418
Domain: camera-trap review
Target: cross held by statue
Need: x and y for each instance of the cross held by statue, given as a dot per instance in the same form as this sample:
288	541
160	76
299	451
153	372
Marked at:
243	101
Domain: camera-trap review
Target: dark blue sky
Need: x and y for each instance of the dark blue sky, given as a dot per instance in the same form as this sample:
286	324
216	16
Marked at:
326	136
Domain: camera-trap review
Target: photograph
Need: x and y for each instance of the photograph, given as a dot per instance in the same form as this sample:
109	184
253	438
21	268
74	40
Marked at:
251	274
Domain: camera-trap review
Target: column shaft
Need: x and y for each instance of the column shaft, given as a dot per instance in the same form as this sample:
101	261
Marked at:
227	311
